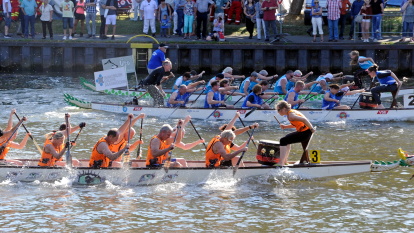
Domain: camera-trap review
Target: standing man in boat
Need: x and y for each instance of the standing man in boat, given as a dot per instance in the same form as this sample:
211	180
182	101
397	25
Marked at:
304	129
388	83
218	153
158	56
153	81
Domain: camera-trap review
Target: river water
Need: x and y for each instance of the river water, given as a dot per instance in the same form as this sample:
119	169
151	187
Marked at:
370	202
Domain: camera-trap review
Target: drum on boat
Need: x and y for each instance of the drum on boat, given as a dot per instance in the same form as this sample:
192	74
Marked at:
366	101
268	152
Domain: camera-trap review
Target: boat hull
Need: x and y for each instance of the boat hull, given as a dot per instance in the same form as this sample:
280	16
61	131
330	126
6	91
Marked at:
188	175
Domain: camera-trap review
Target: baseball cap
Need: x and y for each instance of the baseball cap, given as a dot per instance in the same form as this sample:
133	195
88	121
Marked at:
220	75
329	75
163	45
297	73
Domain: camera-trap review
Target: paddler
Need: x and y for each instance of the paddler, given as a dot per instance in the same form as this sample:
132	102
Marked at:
179	98
53	150
304	129
292	97
254	99
332	98
218	152
6	133
230	126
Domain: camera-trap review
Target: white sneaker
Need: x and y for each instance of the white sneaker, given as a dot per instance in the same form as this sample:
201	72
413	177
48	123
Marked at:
375	40
70	38
64	38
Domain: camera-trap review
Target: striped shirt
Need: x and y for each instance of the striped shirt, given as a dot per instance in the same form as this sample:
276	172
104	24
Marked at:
91	9
334	9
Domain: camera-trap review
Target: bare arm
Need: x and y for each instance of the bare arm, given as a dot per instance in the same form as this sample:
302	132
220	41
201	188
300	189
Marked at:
20	145
104	149
10	122
50	150
155	144
219	147
294	117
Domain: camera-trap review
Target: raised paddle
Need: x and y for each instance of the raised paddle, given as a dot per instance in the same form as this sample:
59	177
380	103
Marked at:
255	108
167	164
68	155
27	131
140	137
3	146
198	134
77	135
219	105
127	156
241	156
241	121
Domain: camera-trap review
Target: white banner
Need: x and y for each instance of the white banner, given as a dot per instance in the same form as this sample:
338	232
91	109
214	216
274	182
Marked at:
116	62
112	78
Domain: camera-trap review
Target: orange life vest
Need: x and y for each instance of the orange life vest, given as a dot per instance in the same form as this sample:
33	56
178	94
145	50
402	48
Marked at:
97	159
117	147
151	160
5	151
299	125
47	160
215	159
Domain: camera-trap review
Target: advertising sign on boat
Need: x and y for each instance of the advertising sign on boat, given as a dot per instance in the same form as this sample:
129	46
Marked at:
117	62
112	78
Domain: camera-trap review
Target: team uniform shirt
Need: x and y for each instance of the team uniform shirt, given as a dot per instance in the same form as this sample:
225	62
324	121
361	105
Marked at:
365	64
331	104
252	98
278	86
180	97
251	85
216	96
156	60
299	125
384	79
179	82
294	99
317	87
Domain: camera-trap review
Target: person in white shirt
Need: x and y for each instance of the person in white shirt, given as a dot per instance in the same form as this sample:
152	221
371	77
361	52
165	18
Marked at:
148	9
7	9
46	18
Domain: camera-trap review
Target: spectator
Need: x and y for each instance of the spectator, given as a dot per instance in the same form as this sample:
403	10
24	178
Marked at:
346	6
377	11
103	18
158	56
250	12
29	9
67	17
46	18
219	8
110	6
7	9
91	17
334	7
188	18
148	8
202	9
260	24
366	11
317	20
234	6
135	7
355	9
22	24
408	20
174	15
164	9
179	9
79	16
269	16
165	25
218	27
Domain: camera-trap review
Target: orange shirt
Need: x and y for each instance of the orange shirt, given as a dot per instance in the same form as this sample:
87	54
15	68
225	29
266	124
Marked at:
214	159
47	160
97	159
151	160
117	147
345	4
299	125
5	151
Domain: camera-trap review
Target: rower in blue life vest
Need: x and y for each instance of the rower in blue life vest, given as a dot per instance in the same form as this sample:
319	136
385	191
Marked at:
217	78
254	99
292	96
226	89
324	80
388	81
287	81
214	98
248	83
187	79
179	98
332	98
364	63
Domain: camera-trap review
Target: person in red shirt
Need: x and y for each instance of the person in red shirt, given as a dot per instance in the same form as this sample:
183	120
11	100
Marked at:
346	7
269	17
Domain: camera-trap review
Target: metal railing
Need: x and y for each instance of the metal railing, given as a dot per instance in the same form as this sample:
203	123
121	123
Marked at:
391	25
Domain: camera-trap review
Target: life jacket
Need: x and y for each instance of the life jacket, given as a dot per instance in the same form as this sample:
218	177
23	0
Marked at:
294	99
330	104
117	147
97	159
47	160
216	96
4	152
180	97
257	100
317	87
215	159
299	125
364	65
151	160
278	87
251	85
385	78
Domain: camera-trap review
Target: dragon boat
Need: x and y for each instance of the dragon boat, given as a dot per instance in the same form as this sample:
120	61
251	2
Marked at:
314	115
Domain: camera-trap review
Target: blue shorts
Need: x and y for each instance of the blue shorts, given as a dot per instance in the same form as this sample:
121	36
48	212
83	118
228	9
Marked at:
7	20
67	21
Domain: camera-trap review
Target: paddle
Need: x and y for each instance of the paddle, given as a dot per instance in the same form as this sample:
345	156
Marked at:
167	165
241	121
140	137
277	121
219	105
3	146
198	134
238	100
127	155
337	104
254	108
77	135
68	156
27	131
357	100
198	96
241	157
306	97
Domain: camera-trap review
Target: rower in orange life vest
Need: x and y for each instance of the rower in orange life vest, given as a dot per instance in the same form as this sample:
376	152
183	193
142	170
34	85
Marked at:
123	138
218	153
388	83
159	147
8	131
304	129
53	150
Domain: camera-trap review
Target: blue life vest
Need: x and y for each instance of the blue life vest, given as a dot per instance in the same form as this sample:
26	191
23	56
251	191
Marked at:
216	96
208	87
251	85
278	88
366	64
257	100
317	87
182	82
294	99
330	104
385	78
180	98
